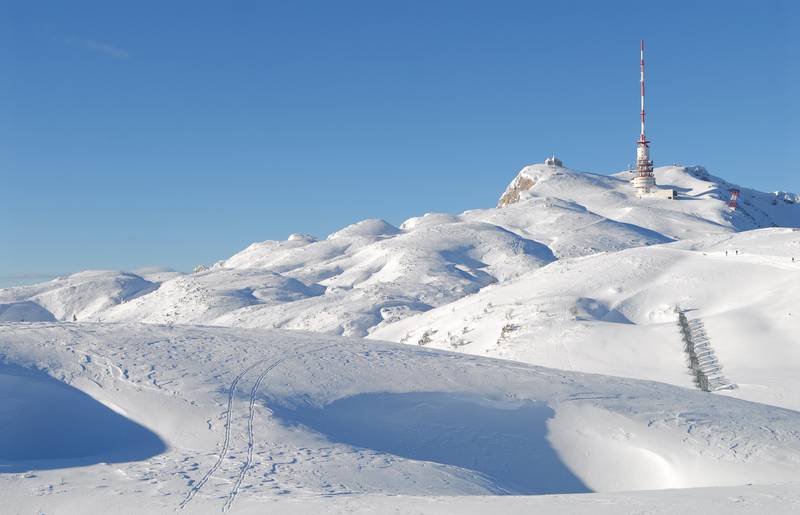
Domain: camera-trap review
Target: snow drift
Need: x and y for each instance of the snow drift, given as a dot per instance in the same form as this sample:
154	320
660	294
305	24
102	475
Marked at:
251	413
48	424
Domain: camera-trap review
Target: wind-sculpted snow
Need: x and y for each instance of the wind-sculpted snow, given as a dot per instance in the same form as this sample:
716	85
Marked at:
255	416
47	424
454	429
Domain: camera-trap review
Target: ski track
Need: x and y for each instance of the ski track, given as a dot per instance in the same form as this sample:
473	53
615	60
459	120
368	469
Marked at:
250	418
225	442
250	422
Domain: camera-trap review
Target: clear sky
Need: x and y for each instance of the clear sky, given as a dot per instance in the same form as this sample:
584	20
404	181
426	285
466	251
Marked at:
177	132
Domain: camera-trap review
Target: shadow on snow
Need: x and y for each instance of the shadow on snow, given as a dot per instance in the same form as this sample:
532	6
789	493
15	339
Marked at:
48	424
504	441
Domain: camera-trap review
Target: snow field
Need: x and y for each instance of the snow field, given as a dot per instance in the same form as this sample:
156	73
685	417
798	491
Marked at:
614	314
252	415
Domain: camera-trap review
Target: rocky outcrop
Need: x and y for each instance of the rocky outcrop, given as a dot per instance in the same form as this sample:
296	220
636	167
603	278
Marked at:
511	195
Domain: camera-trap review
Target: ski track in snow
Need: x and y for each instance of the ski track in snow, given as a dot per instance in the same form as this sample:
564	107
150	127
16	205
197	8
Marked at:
250	440
250	431
225	442
250	419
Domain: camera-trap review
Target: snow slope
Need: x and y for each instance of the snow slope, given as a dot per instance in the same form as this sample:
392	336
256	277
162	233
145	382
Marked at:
370	275
358	278
700	210
82	295
216	418
613	313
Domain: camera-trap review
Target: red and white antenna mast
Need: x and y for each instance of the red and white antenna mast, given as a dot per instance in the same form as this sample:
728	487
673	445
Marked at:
642	138
644	182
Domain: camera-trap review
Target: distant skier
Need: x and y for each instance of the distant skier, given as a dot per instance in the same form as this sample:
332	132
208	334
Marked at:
726	252
74	317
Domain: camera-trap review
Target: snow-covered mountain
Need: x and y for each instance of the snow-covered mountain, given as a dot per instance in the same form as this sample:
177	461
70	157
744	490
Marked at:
370	275
123	379
700	210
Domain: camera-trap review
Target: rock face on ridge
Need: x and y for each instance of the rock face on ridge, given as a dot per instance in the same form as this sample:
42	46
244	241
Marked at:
511	195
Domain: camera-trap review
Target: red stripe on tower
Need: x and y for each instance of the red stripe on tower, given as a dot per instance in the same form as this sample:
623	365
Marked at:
644	166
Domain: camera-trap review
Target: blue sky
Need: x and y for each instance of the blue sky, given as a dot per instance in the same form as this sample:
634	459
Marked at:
176	133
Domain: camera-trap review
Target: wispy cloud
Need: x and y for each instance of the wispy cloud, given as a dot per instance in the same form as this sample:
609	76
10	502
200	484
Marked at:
105	48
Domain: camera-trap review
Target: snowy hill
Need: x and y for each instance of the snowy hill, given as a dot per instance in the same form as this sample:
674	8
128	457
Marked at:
701	208
214	418
370	275
572	280
613	313
82	295
357	278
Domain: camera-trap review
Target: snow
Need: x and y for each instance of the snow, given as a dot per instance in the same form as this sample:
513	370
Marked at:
344	284
49	424
270	415
176	391
367	276
82	295
613	313
24	311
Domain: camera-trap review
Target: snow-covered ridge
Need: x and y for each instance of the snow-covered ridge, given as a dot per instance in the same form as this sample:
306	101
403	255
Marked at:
611	196
372	274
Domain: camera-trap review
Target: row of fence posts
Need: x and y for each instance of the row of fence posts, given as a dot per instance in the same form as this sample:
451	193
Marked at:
703	362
